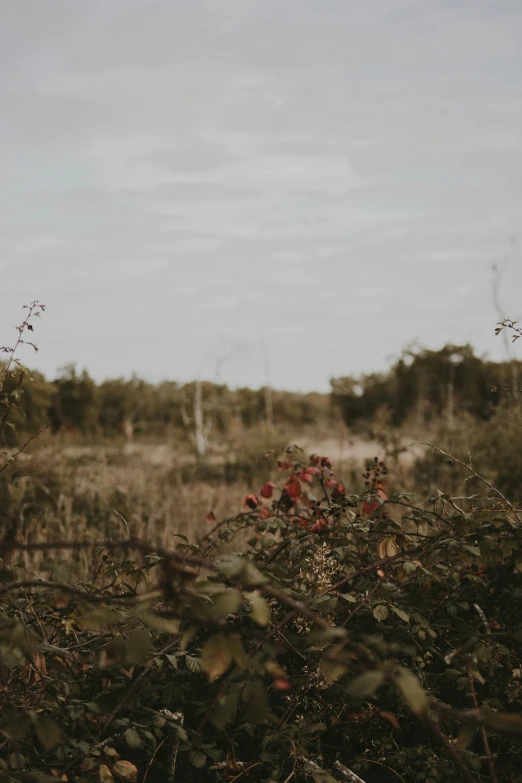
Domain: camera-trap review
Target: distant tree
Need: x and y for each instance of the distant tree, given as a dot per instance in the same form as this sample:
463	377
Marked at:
423	385
122	404
75	402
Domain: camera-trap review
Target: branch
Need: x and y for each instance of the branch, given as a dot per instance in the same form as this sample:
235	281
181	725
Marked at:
478	476
27	442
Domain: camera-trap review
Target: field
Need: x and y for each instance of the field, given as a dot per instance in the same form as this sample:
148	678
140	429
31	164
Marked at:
290	599
156	491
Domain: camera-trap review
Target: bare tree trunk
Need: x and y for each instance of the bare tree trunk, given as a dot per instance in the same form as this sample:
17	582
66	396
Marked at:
450	409
269	409
128	430
269	403
200	428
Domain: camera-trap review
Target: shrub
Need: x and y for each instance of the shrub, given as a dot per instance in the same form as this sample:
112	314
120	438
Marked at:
353	637
344	638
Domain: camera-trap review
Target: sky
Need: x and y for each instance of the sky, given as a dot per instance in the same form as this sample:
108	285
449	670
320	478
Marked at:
258	191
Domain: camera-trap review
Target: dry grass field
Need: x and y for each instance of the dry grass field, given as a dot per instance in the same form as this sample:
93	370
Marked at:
152	490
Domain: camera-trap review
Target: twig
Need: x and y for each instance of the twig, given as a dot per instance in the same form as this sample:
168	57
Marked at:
10	404
483	732
437	731
478	476
347	774
246	769
41	584
172	556
125	523
149	765
174	750
22	448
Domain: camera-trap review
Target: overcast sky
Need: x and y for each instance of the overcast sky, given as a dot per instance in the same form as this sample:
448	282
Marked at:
302	186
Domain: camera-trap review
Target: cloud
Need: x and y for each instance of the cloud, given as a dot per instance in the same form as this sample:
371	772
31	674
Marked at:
332	179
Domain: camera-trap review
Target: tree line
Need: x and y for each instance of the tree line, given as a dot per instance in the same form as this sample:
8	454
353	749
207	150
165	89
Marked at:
422	386
127	407
427	386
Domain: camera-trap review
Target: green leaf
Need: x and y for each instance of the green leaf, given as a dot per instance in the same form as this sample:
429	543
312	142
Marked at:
48	732
251	576
158	623
332	670
260	611
473	549
193	664
502	722
101	617
16	761
173	660
365	685
237	650
138	646
254	695
412	691
132	738
225	710
380	612
197	759
350	597
216	656
320	638
17	726
399	612
226	602
466	735
230	566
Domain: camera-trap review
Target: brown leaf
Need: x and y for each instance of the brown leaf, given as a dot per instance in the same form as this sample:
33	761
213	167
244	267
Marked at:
216	656
105	774
389	716
126	770
387	547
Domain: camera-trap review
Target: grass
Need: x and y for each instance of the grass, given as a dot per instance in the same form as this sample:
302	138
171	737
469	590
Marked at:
156	491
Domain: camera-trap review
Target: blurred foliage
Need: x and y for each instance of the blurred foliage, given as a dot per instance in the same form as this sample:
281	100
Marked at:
328	632
424	386
362	634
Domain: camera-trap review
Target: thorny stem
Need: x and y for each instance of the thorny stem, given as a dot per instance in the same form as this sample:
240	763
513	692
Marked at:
22	448
483	732
479	477
437	731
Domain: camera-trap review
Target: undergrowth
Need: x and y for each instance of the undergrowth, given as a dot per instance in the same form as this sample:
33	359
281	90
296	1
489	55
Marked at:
349	633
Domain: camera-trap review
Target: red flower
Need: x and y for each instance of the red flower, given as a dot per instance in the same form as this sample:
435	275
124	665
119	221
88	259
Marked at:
282	685
267	490
293	488
369	507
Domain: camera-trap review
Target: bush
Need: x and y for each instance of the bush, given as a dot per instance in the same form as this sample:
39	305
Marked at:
353	635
